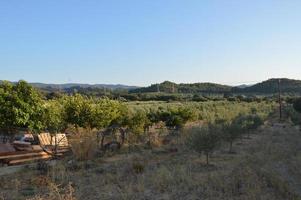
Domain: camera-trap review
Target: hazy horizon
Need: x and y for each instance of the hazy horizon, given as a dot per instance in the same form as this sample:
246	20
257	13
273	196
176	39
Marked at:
139	43
250	83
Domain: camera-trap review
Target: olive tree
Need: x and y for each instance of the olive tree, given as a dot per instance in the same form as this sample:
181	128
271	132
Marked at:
204	140
231	132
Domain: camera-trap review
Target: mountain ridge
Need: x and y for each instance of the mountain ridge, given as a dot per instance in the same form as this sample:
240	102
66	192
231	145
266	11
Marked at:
269	86
82	85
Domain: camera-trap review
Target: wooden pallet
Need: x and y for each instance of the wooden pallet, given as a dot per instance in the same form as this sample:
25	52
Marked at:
36	152
20	157
31	159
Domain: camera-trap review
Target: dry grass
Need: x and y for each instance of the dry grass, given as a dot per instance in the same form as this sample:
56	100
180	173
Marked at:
84	144
264	167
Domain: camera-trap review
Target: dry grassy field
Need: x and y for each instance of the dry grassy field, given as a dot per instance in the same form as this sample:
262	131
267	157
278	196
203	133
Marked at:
265	166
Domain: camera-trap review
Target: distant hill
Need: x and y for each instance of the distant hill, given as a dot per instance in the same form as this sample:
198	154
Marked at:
80	85
71	85
266	87
170	87
271	86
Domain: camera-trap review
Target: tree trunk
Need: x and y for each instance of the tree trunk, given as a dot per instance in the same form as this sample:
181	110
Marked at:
102	140
207	158
55	147
230	148
122	132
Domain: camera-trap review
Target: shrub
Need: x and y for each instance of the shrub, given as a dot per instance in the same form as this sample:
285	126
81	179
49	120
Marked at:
297	105
231	132
204	140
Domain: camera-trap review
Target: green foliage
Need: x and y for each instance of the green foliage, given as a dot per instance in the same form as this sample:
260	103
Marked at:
271	87
204	140
206	111
249	122
297	105
169	87
78	110
138	122
231	132
178	117
20	106
257	121
105	111
294	116
53	117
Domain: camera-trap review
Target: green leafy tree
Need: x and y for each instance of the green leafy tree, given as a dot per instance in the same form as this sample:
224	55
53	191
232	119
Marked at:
21	106
78	111
204	140
138	121
249	123
177	118
53	116
231	132
105	111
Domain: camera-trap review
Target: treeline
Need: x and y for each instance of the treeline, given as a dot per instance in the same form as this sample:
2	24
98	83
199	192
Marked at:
168	91
287	86
22	106
205	140
122	95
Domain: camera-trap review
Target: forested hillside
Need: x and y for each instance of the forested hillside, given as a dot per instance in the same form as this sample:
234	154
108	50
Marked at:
171	91
193	88
271	86
266	87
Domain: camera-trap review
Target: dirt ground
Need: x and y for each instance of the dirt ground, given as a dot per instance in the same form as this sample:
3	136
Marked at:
265	166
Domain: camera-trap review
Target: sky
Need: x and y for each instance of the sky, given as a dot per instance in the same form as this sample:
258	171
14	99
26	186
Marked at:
140	42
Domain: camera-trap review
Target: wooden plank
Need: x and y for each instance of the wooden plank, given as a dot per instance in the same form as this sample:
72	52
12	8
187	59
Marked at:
41	140
45	139
19	152
44	142
23	155
61	140
19	161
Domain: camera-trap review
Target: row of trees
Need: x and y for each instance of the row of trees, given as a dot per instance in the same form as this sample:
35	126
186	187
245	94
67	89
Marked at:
24	107
206	139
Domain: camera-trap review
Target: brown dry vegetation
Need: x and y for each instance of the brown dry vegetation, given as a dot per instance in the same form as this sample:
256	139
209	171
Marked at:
267	166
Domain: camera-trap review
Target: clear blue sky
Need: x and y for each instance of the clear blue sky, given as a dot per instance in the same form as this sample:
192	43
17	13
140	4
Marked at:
138	42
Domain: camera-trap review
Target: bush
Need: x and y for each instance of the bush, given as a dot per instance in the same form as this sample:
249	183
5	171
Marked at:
204	140
297	105
231	132
294	116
